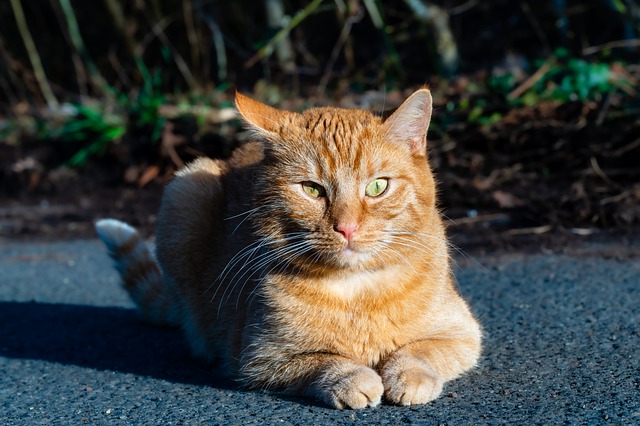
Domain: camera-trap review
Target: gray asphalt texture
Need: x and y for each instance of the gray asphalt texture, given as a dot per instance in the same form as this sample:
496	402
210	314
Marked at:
561	347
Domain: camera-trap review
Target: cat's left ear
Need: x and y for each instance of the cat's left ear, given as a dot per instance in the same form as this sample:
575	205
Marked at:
408	125
258	115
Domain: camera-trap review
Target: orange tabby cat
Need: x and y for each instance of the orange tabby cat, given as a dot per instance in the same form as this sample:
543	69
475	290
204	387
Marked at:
313	261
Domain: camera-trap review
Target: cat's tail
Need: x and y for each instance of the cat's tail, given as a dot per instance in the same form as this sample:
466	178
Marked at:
139	270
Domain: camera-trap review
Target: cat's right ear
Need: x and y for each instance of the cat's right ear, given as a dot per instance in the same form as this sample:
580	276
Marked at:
259	116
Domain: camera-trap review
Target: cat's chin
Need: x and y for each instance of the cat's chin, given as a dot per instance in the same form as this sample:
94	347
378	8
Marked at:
351	258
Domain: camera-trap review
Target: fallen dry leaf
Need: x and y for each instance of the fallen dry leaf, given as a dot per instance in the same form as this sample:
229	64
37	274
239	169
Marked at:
149	174
506	200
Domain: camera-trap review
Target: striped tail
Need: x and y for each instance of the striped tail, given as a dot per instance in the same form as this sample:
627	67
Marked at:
139	270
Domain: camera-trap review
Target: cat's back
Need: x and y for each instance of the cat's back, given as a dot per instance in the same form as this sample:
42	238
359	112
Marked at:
196	209
207	183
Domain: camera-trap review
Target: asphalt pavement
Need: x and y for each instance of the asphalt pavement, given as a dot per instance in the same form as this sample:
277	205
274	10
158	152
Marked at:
562	346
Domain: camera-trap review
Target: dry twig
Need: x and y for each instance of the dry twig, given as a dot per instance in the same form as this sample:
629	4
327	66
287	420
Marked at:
218	40
34	57
611	45
78	44
526	231
438	19
600	173
344	35
280	35
528	83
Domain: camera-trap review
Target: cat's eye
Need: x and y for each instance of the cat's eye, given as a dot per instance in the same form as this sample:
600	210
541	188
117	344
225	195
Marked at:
314	190
377	187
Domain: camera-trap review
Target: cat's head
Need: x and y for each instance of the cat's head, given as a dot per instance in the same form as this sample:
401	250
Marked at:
344	189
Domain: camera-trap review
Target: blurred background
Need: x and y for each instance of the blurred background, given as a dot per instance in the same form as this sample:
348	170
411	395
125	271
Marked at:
536	128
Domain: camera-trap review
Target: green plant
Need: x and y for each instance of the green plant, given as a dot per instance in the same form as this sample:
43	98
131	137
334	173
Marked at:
94	127
143	107
567	78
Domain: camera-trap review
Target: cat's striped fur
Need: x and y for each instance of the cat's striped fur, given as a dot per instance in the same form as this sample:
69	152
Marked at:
281	264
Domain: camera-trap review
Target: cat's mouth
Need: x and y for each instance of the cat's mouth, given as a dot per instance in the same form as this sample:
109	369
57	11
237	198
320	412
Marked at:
340	255
351	255
350	251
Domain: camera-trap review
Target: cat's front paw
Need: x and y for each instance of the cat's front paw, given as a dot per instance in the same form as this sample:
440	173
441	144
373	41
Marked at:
409	381
358	388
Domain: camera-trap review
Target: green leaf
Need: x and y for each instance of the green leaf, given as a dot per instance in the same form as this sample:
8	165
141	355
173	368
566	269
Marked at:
475	114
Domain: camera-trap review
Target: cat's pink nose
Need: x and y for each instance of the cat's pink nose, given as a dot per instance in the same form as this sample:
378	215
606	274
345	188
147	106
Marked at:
346	229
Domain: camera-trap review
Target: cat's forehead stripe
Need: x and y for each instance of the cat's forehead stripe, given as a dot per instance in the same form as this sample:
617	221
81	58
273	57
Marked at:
340	134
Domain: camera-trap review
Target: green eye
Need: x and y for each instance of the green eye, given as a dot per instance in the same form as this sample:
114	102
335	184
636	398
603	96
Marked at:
314	190
377	187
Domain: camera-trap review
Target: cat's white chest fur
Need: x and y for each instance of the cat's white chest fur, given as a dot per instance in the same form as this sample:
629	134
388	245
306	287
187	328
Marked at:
353	284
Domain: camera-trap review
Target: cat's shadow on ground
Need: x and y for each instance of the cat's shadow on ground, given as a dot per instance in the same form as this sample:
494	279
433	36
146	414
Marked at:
102	338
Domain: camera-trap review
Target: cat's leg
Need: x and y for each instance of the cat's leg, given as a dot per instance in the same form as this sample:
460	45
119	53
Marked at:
343	383
335	380
415	373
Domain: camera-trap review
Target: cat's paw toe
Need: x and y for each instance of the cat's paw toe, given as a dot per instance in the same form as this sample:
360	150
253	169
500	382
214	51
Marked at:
416	383
359	388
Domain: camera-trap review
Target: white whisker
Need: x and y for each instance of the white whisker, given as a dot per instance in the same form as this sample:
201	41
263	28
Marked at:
253	264
280	265
420	247
244	213
269	258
